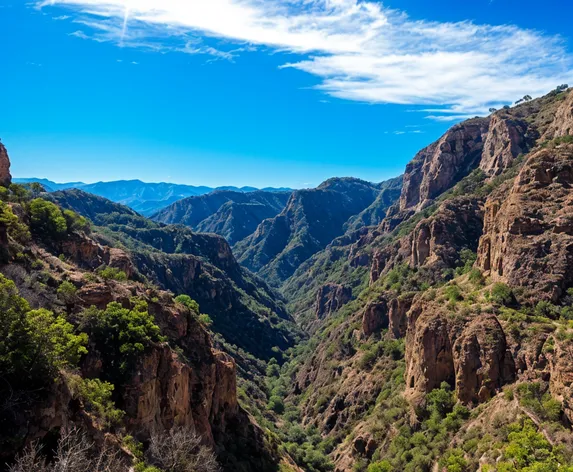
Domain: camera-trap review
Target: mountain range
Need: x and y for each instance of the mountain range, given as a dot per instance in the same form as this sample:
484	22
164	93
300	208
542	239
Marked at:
423	324
145	198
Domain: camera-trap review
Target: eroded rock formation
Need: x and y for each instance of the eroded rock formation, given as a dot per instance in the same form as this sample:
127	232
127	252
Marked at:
528	237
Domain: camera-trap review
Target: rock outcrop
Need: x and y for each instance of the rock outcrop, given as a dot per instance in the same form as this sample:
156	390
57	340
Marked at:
442	164
562	124
330	298
471	355
436	241
506	139
528	237
5	176
387	312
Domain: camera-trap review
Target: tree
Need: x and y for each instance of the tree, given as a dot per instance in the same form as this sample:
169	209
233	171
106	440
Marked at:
121	335
46	219
34	344
67	292
492	110
76	222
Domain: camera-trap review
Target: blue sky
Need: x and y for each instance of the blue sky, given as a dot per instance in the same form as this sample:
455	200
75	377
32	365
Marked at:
260	92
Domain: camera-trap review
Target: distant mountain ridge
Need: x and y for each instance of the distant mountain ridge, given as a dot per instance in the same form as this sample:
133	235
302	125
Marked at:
231	214
143	197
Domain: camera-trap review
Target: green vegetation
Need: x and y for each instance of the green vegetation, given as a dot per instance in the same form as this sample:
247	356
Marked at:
501	294
97	398
112	273
67	292
121	335
527	450
47	220
34	344
542	404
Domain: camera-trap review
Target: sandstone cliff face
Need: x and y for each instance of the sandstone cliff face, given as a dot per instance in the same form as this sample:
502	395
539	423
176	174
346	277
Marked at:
439	166
472	355
528	237
387	312
330	298
562	124
506	139
5	176
436	241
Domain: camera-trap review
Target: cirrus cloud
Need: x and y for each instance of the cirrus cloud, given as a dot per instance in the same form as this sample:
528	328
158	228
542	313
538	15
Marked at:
359	50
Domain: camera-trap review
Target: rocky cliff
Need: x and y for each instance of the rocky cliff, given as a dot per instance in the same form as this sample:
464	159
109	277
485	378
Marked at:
5	176
528	234
460	306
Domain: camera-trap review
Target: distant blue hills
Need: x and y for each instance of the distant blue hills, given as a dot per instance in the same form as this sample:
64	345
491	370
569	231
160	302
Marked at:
145	198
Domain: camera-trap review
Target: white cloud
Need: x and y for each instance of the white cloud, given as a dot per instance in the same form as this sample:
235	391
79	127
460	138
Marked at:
358	49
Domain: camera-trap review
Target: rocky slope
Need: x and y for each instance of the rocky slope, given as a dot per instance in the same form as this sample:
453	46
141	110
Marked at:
244	310
176	378
462	294
233	215
310	221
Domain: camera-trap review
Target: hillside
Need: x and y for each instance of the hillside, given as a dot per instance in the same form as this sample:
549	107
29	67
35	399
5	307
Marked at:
233	215
442	337
244	310
310	221
102	370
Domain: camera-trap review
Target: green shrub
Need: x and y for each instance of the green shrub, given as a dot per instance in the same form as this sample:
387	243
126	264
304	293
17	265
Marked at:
501	294
121	335
454	461
546	310
76	222
380	466
97	398
205	319
112	273
276	404
46	219
467	260
17	230
34	344
476	277
187	301
67	292
453	293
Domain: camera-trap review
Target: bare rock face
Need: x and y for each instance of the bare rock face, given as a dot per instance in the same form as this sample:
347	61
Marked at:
374	317
561	380
164	393
436	241
388	312
471	355
505	140
5	176
528	237
443	163
482	360
563	123
330	298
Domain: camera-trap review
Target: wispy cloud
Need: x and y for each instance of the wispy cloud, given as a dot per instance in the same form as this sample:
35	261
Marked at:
358	49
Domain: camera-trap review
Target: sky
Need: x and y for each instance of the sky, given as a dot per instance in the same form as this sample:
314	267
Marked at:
260	92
